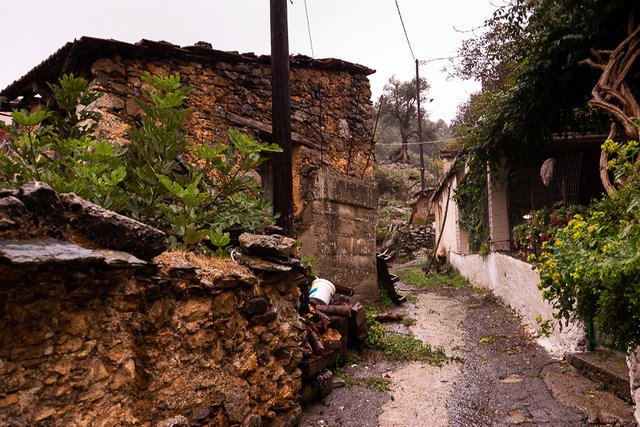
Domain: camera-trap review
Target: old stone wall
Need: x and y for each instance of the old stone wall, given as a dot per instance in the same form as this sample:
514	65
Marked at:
331	109
338	229
98	337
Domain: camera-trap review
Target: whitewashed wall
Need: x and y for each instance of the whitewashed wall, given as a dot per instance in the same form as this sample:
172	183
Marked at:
516	284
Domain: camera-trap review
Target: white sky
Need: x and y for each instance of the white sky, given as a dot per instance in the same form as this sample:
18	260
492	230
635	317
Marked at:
367	32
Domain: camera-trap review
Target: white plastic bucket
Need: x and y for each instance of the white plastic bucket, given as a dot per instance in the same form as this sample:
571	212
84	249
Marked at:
322	290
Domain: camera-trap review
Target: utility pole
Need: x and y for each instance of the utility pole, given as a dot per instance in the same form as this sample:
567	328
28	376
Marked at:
420	128
281	116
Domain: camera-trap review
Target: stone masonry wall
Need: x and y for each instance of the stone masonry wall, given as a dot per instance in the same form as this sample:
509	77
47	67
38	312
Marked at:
330	108
338	229
98	337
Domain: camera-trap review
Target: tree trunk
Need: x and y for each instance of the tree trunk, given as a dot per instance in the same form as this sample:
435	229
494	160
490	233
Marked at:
613	95
402	155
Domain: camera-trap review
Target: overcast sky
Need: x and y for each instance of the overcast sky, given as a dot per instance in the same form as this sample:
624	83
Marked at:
367	32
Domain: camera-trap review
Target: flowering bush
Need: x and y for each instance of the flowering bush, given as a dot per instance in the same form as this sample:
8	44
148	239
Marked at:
590	269
540	227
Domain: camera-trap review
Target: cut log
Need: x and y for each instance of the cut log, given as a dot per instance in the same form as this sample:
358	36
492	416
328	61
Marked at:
314	340
335	310
331	339
388	317
344	290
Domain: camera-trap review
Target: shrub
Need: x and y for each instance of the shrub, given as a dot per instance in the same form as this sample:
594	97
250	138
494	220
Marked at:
590	270
540	226
192	192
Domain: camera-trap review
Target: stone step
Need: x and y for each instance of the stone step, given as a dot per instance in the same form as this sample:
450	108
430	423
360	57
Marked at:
608	367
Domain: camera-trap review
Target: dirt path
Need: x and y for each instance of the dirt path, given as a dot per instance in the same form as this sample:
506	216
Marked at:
420	391
500	380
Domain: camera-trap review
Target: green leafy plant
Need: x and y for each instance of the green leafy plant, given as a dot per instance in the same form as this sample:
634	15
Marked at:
545	327
56	146
402	347
378	384
310	262
590	270
352	357
408	321
540	226
192	192
349	381
415	277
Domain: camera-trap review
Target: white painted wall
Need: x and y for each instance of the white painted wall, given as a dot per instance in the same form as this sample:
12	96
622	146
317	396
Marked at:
5	117
454	237
516	284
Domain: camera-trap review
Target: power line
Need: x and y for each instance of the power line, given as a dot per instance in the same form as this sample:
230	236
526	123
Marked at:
306	11
405	30
419	143
444	58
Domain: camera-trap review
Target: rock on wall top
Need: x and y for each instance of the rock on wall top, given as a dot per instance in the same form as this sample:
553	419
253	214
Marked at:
36	211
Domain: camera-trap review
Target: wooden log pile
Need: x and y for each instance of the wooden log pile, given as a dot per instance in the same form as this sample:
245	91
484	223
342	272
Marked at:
331	329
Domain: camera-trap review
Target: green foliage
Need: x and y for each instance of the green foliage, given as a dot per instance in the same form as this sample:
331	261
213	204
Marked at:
544	326
540	226
398	108
191	192
349	381
529	56
408	321
385	300
412	298
382	385
310	262
389	182
352	357
591	269
404	348
55	146
470	197
417	278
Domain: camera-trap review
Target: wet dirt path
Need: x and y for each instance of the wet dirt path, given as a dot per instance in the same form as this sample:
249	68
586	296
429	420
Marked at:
499	381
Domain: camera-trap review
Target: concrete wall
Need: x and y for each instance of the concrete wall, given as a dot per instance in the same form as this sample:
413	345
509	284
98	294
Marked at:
337	228
517	284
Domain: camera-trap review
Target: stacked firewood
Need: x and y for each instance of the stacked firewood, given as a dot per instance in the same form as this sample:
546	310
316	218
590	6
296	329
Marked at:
330	330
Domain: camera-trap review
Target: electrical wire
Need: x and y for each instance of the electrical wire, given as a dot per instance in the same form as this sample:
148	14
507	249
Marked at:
405	31
417	143
306	11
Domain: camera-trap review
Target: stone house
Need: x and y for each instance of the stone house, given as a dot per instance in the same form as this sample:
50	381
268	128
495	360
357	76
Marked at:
335	198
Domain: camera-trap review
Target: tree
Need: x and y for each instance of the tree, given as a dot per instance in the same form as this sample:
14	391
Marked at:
399	107
544	87
567	57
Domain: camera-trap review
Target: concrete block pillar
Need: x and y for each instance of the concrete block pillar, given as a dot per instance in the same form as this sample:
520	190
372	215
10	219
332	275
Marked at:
337	228
499	229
